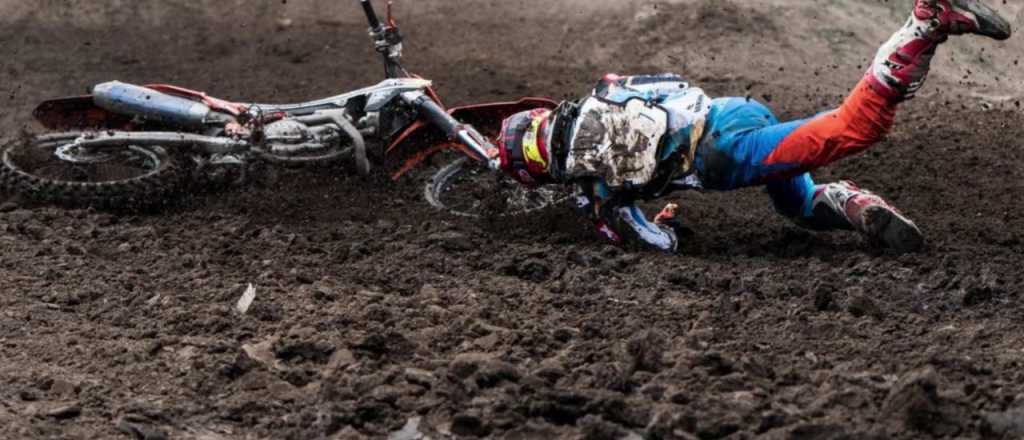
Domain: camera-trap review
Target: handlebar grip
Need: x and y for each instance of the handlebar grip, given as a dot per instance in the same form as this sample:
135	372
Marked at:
371	15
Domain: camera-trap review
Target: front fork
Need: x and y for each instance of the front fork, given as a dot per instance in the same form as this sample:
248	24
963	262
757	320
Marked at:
482	149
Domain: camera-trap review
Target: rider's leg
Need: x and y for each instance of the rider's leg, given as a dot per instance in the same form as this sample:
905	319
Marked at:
863	120
793	199
898	71
843	205
749	146
743	133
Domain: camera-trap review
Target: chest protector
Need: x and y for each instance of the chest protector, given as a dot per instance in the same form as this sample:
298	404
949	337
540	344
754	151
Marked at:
618	142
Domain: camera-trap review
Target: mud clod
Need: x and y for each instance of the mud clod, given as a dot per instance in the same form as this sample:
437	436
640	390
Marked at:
647	351
492	373
976	295
596	428
469	425
383	343
716	363
140	431
464	365
303	348
862	305
451	241
917	403
533	269
824	297
420	377
9	206
1007	424
64	412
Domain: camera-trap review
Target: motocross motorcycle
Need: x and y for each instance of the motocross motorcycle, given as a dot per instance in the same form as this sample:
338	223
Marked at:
127	145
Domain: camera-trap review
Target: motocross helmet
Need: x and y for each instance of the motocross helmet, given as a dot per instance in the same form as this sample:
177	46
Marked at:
530	143
524	146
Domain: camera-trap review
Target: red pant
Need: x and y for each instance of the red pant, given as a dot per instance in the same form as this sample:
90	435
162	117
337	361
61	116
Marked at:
863	120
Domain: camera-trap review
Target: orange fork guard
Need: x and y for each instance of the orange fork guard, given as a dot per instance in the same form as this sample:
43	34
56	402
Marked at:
421	140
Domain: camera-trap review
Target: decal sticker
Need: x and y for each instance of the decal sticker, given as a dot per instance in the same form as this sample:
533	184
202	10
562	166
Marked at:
531	148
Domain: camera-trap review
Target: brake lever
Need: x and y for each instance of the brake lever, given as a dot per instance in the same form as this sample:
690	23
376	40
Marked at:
385	35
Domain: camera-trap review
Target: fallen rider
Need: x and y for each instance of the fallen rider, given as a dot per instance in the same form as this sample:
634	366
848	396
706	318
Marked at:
641	137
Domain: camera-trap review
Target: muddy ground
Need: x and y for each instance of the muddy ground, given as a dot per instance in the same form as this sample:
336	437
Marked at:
373	313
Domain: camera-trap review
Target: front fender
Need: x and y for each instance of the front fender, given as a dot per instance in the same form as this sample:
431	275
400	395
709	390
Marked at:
418	142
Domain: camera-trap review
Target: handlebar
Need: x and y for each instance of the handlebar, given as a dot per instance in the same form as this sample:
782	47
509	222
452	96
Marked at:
371	15
387	39
389	44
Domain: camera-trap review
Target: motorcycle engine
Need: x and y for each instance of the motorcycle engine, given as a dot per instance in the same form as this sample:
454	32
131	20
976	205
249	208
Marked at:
289	137
287	131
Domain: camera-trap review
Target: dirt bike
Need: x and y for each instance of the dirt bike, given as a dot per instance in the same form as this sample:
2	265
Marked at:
126	145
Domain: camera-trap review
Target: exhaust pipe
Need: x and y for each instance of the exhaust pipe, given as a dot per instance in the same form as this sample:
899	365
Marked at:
151	105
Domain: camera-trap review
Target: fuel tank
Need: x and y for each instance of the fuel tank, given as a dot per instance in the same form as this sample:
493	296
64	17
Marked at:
151	105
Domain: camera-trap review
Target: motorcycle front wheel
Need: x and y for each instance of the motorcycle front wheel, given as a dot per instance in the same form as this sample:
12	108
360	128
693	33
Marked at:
51	169
465	190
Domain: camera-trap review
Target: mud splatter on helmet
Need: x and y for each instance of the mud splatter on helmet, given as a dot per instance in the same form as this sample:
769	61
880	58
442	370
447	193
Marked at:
525	146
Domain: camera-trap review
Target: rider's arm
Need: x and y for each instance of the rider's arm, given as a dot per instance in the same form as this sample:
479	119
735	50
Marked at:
621	221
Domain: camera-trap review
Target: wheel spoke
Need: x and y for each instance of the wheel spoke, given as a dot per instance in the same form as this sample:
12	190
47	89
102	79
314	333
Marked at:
467	191
131	176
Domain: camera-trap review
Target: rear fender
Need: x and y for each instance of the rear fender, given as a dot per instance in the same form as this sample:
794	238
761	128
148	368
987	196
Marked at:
76	113
421	140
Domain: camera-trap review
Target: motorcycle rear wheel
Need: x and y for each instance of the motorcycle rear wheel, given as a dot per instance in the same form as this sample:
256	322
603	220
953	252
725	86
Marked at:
125	178
465	190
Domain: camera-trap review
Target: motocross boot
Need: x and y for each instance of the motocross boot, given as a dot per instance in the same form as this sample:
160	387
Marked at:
843	205
901	65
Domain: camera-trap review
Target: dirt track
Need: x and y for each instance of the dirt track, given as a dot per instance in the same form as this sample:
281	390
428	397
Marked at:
373	311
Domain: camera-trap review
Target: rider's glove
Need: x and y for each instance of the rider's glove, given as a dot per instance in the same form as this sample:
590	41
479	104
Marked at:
668	218
667	213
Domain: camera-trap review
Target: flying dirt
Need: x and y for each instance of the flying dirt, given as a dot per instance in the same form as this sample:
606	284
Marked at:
372	314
